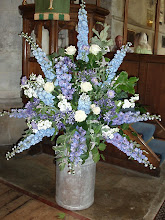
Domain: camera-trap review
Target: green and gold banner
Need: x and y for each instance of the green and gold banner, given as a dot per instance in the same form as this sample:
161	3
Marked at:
52	10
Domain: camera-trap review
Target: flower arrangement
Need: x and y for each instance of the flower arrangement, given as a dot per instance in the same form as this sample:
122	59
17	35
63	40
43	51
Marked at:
82	95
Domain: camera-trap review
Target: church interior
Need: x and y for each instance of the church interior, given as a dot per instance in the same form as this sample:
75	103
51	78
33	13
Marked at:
124	189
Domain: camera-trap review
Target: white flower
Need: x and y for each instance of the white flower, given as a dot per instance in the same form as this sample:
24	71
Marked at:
64	106
44	124
86	86
60	96
40	80
93	106
49	87
32	76
94	49
108	132
80	116
71	50
134	98
30	93
96	110
127	104
119	103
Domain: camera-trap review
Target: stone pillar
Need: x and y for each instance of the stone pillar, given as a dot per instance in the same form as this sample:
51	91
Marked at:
10	70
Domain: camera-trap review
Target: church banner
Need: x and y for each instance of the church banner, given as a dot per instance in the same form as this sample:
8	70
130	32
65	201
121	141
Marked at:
52	10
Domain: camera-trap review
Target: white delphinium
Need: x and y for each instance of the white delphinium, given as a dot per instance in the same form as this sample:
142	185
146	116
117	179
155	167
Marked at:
108	132
34	83
128	104
40	80
64	106
131	102
134	98
32	77
30	92
44	124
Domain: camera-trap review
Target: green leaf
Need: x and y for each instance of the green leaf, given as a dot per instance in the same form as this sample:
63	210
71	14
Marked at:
55	133
61	215
96	157
94	150
102	146
83	125
84	156
97	140
62	166
134	133
60	139
97	129
122	77
96	32
125	126
95	154
121	132
133	79
102	156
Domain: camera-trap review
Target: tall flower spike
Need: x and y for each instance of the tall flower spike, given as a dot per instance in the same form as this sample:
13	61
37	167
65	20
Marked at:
115	63
42	59
82	44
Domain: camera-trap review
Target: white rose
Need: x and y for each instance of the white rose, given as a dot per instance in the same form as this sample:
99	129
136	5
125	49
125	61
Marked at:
96	110
80	116
49	87
71	50
94	49
86	86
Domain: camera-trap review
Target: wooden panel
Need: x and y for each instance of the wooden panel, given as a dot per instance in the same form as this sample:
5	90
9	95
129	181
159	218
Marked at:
155	88
150	70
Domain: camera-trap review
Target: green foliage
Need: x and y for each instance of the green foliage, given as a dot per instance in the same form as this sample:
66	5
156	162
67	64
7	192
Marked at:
95	154
123	83
102	146
101	38
61	215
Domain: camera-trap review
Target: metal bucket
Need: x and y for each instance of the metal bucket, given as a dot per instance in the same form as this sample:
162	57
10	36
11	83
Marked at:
76	192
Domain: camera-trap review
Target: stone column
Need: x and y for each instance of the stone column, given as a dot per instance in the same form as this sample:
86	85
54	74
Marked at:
10	70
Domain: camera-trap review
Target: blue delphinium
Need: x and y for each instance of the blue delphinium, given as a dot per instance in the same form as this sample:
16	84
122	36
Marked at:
78	144
84	103
42	59
115	63
27	111
129	149
82	44
46	97
30	140
63	67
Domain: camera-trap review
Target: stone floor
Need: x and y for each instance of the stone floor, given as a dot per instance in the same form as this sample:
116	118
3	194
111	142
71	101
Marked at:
120	194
